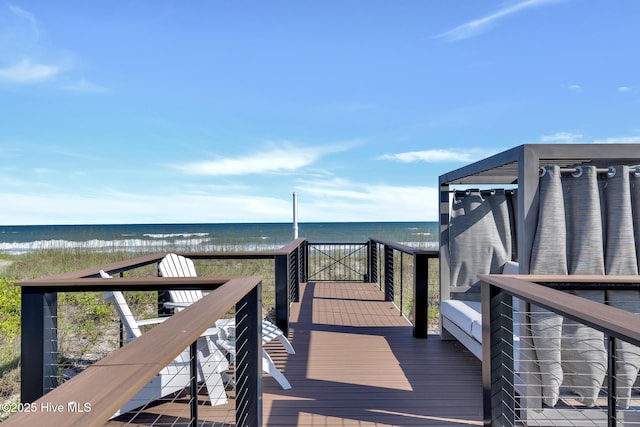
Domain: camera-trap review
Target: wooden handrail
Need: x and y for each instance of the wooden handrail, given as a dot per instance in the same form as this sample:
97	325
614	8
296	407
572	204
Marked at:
405	248
115	267
128	283
111	382
610	320
144	260
291	246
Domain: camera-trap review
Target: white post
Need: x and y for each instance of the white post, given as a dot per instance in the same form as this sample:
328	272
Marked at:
295	215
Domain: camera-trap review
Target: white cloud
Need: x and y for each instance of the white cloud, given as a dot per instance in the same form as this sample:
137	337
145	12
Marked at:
343	200
285	157
23	55
460	155
478	26
84	86
27	72
574	138
624	89
319	200
618	140
118	208
575	88
562	138
23	14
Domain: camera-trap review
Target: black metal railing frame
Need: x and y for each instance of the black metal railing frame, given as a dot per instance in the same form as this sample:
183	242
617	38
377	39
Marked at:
498	293
290	269
420	278
337	262
39	328
39	337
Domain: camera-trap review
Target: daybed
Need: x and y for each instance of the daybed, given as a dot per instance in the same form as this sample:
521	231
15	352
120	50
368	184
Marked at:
498	216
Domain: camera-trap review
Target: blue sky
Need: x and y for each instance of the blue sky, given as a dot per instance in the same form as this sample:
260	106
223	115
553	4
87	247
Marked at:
207	111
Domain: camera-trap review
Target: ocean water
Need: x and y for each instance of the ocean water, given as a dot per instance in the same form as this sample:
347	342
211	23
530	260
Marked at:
203	237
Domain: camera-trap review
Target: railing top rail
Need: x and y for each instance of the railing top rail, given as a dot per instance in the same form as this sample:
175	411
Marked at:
264	254
405	248
610	320
133	283
144	260
115	379
291	246
338	243
115	267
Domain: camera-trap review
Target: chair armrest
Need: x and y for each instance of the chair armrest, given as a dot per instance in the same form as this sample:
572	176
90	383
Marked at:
152	321
170	304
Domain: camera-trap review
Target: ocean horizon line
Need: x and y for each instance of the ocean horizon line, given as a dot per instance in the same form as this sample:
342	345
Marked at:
207	236
88	224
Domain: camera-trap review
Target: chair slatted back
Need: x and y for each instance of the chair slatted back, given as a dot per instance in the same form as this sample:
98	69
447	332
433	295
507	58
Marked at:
174	265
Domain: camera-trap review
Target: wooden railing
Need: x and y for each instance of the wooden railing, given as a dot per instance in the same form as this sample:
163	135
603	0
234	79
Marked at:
385	251
504	404
104	387
291	267
39	338
338	262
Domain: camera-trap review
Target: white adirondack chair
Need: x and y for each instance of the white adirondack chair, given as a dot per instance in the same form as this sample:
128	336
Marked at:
174	265
212	364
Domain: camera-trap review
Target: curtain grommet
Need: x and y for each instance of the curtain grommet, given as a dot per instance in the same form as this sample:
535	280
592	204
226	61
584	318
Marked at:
611	172
577	173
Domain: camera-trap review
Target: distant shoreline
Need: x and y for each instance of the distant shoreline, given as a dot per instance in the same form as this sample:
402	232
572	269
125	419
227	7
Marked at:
17	240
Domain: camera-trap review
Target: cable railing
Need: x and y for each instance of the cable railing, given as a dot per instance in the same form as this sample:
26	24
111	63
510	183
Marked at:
404	274
171	356
402	271
56	351
560	353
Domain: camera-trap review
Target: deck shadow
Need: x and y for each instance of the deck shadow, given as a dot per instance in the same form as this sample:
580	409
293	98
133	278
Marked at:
357	363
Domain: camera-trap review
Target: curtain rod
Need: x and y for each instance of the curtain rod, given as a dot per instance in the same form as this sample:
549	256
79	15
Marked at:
577	171
492	191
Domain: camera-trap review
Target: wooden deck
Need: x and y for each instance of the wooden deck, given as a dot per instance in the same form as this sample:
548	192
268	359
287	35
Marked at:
357	364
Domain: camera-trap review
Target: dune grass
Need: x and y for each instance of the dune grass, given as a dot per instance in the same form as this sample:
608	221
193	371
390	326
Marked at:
88	325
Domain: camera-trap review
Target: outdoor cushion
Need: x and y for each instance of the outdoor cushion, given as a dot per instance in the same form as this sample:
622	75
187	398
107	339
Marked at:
465	314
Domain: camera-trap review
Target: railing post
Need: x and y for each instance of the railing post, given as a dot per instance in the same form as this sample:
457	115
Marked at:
420	295
282	292
373	261
388	273
249	359
302	265
307	261
612	398
497	357
294	286
39	343
193	383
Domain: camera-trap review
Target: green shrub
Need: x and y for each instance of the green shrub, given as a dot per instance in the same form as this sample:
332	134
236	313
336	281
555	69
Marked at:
9	310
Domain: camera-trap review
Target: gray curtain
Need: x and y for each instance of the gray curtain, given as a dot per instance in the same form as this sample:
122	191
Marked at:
584	357
549	256
621	258
586	225
479	239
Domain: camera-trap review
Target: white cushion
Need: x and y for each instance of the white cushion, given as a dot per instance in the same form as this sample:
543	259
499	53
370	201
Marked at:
511	267
465	314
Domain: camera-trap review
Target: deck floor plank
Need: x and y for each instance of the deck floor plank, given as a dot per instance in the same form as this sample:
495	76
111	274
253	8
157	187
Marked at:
357	364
